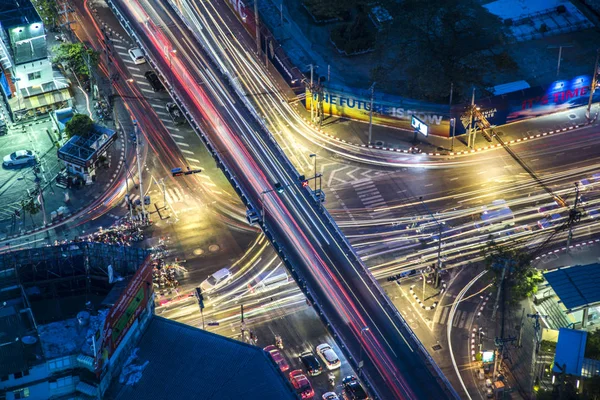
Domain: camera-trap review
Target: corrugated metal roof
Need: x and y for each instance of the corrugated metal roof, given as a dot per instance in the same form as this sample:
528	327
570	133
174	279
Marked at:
570	350
576	286
188	363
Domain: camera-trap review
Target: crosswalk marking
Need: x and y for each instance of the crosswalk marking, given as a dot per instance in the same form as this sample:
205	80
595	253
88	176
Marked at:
174	195
187	151
182	144
460	317
120	47
133	198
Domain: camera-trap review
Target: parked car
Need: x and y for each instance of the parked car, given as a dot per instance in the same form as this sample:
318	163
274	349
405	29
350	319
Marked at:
331	396
137	56
175	114
311	363
353	390
301	383
19	158
593	213
331	360
216	280
277	357
152	78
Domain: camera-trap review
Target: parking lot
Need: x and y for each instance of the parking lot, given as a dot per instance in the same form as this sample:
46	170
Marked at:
16	181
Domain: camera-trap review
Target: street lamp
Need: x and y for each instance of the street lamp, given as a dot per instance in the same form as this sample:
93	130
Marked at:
315	157
360	361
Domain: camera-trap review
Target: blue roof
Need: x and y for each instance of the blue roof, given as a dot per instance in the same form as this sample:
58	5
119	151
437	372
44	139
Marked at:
576	286
570	350
188	363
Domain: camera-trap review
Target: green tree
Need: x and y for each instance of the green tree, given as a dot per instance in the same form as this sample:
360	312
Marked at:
77	57
520	278
30	206
592	345
80	125
327	9
48	11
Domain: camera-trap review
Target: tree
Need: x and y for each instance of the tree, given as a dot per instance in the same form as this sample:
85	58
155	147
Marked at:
30	206
80	125
592	345
443	42
77	57
323	10
48	11
520	278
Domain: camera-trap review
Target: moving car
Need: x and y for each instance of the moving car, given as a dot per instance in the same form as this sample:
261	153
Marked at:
137	56
152	78
277	357
301	383
19	158
549	221
548	207
331	360
353	390
216	280
311	363
331	396
175	114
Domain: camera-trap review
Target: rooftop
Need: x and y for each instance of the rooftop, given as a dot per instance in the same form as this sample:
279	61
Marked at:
17	12
176	361
83	151
576	286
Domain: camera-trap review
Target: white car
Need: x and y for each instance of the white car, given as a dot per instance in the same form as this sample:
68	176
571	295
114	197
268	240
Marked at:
19	158
216	280
331	396
331	360
137	56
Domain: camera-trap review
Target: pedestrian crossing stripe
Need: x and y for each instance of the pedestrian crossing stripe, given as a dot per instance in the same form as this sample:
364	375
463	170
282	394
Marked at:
460	317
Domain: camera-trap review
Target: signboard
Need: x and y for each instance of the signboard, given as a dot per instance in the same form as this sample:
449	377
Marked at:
533	102
123	314
419	126
487	356
393	111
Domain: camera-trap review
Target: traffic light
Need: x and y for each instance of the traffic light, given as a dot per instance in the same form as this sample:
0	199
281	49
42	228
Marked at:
192	171
200	297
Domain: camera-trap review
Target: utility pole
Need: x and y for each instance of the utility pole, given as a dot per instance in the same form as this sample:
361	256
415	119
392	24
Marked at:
38	188
560	49
574	216
371	113
243	327
519	342
452	120
266	52
256	27
593	88
472	128
139	167
438	268
200	298
312	98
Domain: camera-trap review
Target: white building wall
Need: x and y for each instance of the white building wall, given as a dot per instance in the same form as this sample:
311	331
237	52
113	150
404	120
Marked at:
34	73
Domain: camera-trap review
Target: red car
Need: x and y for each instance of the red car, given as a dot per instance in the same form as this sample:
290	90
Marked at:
301	384
277	357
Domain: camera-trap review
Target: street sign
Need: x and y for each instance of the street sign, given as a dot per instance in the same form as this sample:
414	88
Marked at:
419	126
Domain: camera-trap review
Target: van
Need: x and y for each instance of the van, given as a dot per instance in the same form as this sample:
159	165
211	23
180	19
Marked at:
269	280
137	56
154	81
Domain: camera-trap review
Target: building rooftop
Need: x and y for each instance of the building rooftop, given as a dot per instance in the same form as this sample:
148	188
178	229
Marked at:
84	151
576	286
179	361
53	286
17	12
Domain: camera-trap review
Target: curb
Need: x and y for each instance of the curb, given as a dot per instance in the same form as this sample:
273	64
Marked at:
574	246
419	302
411	150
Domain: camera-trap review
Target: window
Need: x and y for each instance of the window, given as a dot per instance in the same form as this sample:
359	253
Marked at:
61	382
18	375
59	363
34	75
21	393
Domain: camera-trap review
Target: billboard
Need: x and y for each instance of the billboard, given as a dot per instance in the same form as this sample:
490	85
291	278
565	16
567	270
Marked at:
394	111
124	312
534	102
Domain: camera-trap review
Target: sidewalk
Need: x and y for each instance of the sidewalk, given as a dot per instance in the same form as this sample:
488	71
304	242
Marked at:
74	200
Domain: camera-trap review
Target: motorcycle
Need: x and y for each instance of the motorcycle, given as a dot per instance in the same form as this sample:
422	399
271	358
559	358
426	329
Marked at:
279	342
331	378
